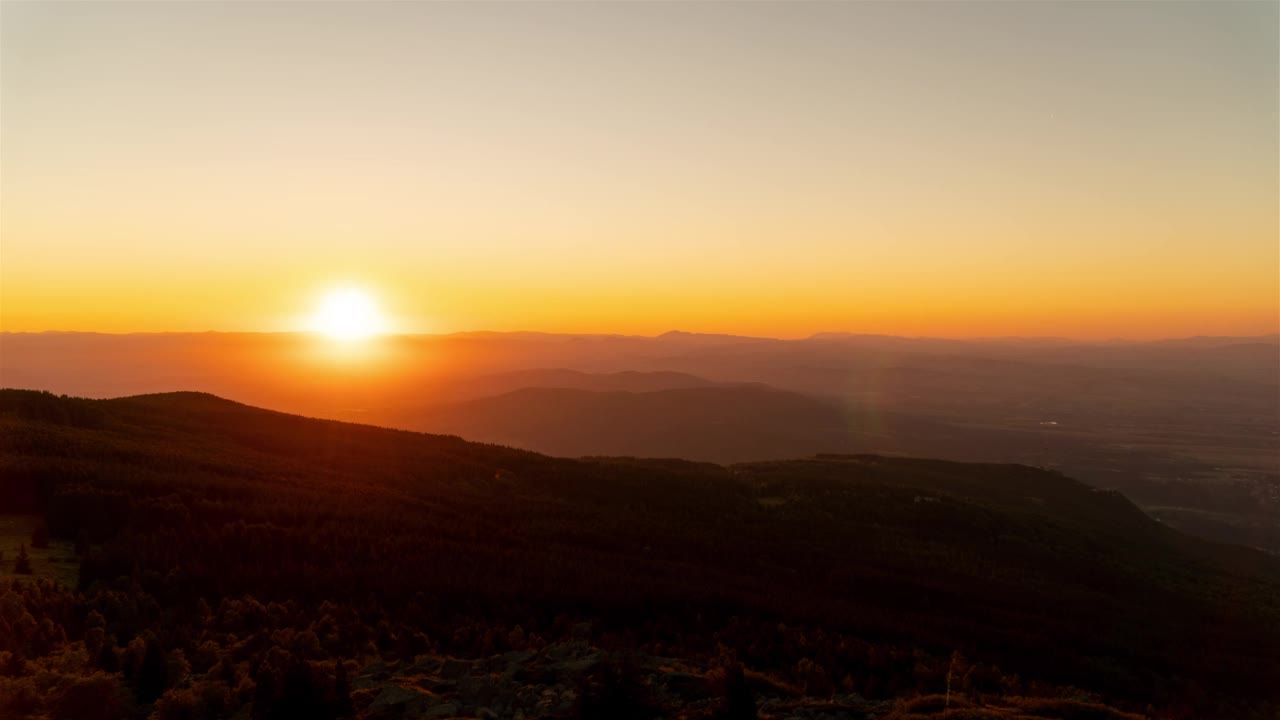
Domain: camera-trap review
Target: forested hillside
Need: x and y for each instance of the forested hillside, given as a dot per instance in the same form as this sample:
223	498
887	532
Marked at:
241	560
1187	429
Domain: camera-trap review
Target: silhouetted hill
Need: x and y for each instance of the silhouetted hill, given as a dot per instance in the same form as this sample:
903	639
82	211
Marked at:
624	381
714	423
741	423
1186	428
868	569
719	424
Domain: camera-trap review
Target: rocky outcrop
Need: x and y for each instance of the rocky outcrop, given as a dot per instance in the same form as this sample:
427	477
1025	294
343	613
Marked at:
550	684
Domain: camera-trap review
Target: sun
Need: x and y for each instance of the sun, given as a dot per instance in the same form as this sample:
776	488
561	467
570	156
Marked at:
348	314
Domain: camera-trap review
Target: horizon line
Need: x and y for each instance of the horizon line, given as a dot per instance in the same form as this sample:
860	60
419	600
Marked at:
821	335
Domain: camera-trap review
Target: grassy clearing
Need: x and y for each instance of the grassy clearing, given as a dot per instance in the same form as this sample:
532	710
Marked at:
57	562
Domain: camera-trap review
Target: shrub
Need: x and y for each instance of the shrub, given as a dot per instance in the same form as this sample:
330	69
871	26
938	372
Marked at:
93	697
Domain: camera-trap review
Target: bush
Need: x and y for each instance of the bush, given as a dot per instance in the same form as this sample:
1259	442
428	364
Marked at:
176	704
18	697
94	697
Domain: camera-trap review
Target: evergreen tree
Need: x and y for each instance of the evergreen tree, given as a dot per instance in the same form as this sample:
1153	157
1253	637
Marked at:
151	678
265	685
22	566
300	695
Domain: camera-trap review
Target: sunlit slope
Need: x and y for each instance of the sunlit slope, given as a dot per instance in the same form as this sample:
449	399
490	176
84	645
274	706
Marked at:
1024	567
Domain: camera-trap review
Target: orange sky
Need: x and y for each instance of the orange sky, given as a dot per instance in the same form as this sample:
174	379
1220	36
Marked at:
1090	170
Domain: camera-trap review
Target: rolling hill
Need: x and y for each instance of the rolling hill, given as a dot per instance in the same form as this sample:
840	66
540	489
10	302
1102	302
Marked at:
727	423
862	570
1186	428
711	423
721	423
469	388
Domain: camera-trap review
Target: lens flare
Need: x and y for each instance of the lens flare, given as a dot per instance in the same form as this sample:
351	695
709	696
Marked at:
348	314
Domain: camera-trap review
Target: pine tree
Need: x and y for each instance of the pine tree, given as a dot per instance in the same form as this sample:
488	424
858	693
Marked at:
299	695
22	566
151	678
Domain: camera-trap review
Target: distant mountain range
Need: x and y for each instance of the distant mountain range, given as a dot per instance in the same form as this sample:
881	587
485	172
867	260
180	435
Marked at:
1188	428
624	381
695	419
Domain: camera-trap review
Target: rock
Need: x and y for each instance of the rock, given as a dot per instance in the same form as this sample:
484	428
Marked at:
395	701
372	676
433	684
510	663
478	691
423	664
526	686
565	650
567	700
443	710
684	686
453	668
366	682
576	666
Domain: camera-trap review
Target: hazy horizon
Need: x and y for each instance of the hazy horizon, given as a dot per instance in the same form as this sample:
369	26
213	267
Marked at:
675	331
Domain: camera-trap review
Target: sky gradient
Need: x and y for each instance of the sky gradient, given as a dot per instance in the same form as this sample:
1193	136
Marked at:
960	169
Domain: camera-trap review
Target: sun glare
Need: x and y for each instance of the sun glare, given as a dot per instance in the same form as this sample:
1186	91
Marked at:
348	315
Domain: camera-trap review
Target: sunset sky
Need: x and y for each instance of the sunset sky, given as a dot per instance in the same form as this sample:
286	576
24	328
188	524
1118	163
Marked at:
1084	169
